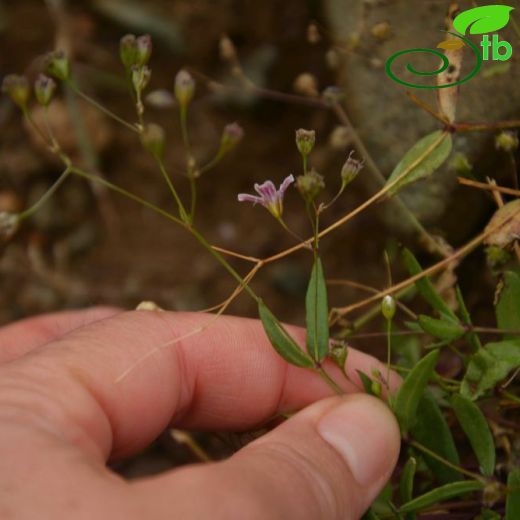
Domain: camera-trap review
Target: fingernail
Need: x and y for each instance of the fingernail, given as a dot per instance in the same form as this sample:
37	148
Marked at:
364	432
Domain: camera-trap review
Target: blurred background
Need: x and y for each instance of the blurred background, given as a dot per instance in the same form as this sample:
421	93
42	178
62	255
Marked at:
89	246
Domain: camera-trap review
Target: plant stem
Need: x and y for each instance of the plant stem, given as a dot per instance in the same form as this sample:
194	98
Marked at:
46	196
125	193
447	463
182	210
100	107
325	376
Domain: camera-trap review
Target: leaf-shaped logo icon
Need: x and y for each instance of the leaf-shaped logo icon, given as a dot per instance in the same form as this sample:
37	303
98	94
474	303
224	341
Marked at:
481	20
451	45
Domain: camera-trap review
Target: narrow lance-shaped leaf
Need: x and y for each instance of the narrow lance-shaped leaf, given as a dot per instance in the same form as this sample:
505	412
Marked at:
425	287
442	329
411	391
484	19
425	157
513	495
508	306
282	342
317	313
477	430
432	431
490	365
406	484
440	494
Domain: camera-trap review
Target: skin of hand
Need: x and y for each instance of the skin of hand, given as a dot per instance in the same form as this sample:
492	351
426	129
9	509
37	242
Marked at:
63	414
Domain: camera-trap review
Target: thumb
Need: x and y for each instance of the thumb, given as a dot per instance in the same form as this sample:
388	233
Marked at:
329	461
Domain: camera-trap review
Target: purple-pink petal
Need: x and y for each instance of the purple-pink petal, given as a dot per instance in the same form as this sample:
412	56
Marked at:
285	184
267	191
246	197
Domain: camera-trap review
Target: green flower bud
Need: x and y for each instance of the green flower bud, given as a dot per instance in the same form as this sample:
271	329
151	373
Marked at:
350	169
153	139
460	163
44	88
506	141
184	88
140	77
388	307
144	49
231	136
310	185
57	65
305	140
17	88
339	353
376	388
128	50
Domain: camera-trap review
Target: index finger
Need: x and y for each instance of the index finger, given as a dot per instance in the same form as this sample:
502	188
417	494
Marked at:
226	377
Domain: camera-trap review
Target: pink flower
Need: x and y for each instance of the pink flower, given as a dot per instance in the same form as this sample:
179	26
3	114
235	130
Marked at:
269	196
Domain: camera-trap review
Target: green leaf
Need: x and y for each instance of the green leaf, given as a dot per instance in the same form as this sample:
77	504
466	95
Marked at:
513	495
442	329
370	515
489	366
425	156
508	306
441	493
477	430
406	484
473	338
317	313
281	340
411	391
382	505
481	20
432	431
425	287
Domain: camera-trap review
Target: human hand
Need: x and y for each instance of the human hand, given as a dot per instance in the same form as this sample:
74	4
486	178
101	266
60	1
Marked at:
63	414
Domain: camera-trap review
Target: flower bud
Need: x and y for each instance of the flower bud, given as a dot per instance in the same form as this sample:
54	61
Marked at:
339	353
310	185
160	99
231	136
153	139
144	49
184	87
58	65
227	49
305	140
506	141
350	169
17	88
306	84
140	77
460	164
128	50
44	88
9	223
376	388
388	307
